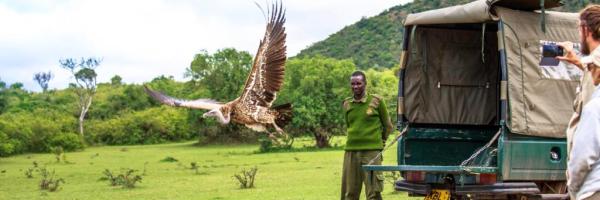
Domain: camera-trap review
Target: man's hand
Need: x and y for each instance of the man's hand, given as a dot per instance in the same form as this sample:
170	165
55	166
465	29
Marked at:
570	55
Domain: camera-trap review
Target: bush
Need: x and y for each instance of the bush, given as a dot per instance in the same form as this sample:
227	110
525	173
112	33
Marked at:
127	178
49	180
246	177
39	130
278	143
8	146
169	159
151	126
67	141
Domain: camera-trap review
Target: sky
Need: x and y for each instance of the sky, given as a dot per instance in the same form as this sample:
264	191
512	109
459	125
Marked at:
142	39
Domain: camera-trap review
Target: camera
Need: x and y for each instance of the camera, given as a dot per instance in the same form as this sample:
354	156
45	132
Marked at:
552	50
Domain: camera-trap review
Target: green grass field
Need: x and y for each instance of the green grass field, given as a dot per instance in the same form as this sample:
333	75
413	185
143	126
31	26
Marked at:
293	175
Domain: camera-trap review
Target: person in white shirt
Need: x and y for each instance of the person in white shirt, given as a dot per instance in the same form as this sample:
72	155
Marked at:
583	165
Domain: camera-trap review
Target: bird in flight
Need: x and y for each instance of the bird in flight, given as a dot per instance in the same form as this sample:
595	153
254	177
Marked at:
254	107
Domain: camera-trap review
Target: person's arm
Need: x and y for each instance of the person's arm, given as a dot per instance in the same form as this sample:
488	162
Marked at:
586	147
388	128
345	107
570	55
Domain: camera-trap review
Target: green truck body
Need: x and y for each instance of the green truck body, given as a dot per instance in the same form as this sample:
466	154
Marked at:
507	158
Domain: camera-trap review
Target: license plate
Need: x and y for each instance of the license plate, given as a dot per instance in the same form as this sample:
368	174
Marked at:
438	195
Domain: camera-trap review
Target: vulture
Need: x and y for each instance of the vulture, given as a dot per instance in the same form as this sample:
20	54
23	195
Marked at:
254	107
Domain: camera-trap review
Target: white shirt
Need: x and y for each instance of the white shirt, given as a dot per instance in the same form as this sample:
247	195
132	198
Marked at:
584	164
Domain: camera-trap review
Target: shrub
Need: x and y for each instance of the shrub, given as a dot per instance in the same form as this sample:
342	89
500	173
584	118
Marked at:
8	146
58	152
169	159
276	144
246	177
38	130
49	180
67	141
150	126
127	178
29	172
108	175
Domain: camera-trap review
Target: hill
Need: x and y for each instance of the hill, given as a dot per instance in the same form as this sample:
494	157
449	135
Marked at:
376	41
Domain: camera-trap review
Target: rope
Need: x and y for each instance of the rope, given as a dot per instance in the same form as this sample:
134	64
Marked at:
465	162
389	145
483	43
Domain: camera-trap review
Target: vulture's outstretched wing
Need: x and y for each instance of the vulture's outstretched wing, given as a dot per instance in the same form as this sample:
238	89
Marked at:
267	74
207	104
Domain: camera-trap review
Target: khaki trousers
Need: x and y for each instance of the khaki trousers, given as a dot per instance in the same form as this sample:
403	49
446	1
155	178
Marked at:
353	177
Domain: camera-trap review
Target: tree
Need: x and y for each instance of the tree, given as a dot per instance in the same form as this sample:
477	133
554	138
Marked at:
17	86
3	96
224	73
42	79
2	84
317	86
116	80
85	83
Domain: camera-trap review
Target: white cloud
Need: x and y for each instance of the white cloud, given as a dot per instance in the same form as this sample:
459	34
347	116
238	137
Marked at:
140	40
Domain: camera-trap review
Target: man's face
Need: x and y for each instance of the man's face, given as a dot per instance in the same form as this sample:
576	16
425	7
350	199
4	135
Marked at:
358	85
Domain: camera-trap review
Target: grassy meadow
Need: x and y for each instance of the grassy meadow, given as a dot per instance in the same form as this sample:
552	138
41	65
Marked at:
282	175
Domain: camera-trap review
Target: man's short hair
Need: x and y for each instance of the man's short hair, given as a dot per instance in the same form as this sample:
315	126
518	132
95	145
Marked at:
360	73
590	18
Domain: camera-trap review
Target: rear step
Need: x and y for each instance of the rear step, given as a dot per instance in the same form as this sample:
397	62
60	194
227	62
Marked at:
497	188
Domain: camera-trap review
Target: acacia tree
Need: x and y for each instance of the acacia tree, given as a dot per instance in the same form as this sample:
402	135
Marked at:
85	83
43	79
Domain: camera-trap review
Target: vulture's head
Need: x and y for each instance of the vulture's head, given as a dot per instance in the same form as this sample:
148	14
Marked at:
222	117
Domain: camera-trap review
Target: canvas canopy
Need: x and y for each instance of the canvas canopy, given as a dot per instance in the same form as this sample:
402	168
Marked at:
452	72
474	12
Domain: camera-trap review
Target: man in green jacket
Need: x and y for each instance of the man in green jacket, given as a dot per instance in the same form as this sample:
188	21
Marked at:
368	126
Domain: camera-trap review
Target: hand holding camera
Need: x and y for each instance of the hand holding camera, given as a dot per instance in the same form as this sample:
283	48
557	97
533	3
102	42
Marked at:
567	54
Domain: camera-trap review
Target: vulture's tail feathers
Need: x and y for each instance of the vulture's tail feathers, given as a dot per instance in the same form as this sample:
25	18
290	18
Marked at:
284	114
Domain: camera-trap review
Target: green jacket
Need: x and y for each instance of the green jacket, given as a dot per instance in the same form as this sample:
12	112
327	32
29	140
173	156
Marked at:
368	123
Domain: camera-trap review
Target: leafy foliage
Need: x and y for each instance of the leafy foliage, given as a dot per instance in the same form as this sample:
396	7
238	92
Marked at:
377	41
374	41
37	131
116	80
317	86
223	73
150	126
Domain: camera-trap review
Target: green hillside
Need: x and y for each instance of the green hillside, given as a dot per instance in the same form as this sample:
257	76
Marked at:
376	41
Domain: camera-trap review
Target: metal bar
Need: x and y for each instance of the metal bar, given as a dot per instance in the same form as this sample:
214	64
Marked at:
407	38
503	73
429	168
499	188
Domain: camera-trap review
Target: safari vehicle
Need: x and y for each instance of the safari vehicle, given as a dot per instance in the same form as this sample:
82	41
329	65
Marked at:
484	118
